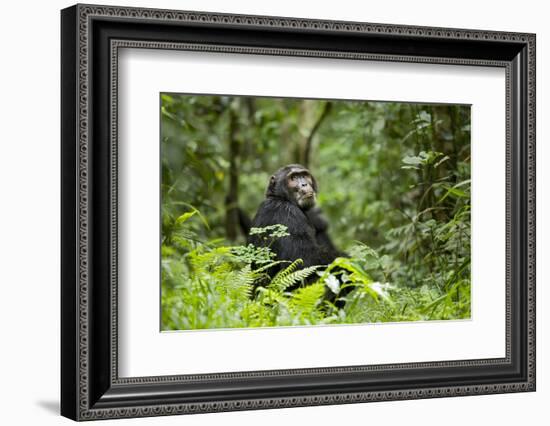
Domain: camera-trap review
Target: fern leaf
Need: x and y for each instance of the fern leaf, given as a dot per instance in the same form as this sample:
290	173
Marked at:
289	276
305	300
274	284
239	284
269	265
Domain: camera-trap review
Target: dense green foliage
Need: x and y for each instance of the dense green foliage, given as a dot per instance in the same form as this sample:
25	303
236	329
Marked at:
394	183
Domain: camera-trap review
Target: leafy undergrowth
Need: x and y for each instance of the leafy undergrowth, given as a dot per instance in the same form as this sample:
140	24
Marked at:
216	286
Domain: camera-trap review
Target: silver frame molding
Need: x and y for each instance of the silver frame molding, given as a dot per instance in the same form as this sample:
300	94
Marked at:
91	388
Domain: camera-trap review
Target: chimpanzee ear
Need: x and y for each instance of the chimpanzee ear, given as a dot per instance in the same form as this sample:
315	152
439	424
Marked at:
271	186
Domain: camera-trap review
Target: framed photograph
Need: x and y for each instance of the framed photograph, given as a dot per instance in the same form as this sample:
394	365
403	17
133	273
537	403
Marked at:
263	212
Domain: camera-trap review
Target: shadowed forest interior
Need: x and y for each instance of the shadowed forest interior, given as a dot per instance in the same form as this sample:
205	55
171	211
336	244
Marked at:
394	185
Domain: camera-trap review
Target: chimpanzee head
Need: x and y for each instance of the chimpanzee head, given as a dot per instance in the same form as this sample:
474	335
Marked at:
294	183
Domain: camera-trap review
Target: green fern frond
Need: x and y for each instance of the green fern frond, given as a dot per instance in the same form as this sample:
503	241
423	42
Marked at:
239	284
298	276
281	275
222	270
202	259
269	265
305	300
290	276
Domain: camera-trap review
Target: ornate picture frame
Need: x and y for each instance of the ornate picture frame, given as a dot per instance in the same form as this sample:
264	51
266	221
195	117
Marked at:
91	37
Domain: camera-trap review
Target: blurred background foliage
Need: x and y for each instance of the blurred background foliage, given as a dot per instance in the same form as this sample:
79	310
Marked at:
394	182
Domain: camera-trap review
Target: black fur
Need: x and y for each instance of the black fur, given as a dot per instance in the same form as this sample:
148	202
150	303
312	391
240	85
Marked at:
319	222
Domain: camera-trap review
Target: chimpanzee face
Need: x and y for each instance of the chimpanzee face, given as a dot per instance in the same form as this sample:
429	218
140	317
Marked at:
300	187
293	183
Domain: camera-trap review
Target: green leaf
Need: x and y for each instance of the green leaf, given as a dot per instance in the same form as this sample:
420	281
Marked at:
185	217
412	160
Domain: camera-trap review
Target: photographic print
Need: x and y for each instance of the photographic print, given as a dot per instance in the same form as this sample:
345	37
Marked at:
286	182
284	212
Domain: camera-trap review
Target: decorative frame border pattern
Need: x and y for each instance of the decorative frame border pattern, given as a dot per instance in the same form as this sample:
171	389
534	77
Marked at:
88	402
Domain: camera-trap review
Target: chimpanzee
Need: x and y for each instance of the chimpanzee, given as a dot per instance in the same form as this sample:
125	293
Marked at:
290	201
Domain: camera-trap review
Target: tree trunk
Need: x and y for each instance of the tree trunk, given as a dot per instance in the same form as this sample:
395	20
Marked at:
309	141
232	198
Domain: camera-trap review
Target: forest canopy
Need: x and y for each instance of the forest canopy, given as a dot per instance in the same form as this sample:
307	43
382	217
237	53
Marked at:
394	184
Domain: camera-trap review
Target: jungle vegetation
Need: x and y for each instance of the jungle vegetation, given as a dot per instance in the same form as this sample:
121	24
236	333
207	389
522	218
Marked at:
394	182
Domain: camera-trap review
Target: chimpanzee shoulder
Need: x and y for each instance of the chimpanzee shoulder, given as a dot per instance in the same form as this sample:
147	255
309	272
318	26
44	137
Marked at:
274	211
